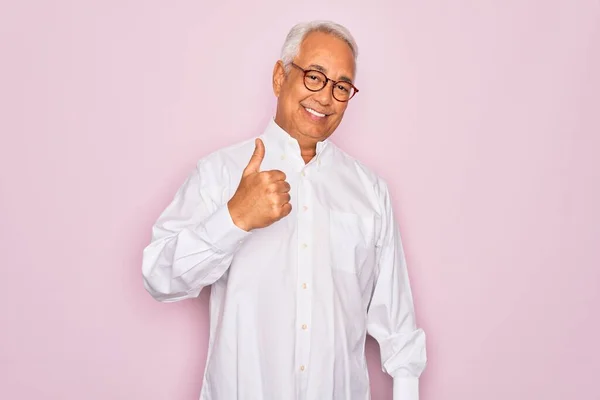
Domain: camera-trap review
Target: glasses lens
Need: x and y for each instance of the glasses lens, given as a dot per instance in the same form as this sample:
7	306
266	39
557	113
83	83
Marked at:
314	80
343	91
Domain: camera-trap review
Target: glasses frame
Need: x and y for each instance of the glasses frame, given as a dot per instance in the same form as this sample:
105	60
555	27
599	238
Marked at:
327	80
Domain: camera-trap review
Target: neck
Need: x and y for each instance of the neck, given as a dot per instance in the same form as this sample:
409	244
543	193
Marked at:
308	154
308	146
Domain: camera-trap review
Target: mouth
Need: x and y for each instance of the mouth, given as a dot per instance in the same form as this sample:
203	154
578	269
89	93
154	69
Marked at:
315	113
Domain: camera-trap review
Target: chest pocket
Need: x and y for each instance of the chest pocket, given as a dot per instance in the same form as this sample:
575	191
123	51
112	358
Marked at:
352	241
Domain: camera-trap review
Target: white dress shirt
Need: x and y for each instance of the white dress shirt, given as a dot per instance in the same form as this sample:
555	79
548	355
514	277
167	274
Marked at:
291	303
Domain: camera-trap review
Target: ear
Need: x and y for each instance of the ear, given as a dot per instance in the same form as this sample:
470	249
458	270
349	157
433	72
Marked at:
278	77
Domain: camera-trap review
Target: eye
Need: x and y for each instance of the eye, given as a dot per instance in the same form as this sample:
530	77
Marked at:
342	87
313	77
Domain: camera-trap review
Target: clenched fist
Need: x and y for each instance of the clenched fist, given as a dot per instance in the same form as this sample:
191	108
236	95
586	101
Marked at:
262	197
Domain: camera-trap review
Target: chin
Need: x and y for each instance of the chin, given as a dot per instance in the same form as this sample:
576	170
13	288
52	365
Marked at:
314	132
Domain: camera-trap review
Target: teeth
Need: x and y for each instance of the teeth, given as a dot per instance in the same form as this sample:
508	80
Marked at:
313	112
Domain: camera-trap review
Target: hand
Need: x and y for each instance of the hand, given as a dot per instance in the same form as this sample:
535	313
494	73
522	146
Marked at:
261	198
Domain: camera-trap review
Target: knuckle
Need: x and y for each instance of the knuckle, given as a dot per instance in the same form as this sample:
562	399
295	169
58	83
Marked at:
267	177
276	174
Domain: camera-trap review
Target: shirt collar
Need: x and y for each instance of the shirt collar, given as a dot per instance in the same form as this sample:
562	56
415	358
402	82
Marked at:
278	139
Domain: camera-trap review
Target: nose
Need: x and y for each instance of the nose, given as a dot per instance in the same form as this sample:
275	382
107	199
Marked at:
325	95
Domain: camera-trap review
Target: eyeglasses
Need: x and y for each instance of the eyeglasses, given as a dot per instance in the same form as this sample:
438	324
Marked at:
316	80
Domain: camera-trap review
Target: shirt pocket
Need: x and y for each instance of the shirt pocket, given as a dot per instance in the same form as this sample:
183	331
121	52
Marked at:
351	239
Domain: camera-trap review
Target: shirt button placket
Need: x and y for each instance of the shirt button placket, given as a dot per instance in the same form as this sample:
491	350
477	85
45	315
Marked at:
305	261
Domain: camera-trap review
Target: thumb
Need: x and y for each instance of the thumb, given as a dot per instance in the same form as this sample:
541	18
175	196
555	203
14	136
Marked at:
257	157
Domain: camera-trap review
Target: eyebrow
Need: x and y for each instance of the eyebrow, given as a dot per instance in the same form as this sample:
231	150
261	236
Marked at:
322	69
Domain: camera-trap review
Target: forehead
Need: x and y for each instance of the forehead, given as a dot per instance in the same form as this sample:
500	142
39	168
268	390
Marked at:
328	51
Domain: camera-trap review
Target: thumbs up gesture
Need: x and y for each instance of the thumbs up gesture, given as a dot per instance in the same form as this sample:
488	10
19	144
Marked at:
262	197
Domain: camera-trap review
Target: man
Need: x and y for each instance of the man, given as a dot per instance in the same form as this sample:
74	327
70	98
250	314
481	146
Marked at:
299	245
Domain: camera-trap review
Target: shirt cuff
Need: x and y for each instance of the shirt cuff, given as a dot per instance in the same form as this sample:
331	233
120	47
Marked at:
222	232
406	389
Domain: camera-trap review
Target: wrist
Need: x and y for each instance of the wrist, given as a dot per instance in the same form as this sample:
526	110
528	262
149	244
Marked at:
237	217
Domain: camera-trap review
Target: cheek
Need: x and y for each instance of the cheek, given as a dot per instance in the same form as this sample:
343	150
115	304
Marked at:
288	97
341	107
339	112
297	93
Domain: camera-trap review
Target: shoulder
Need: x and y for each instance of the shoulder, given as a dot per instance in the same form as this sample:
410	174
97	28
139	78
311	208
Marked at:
227	155
367	176
218	166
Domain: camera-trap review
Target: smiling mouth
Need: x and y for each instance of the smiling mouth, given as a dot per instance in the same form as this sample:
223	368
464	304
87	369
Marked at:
315	113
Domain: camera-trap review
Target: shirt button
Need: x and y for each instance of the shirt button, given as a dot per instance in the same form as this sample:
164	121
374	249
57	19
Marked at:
304	286
302	368
304	245
303	173
283	156
304	327
305	208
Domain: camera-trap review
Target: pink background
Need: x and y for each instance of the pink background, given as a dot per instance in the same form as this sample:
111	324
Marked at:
483	116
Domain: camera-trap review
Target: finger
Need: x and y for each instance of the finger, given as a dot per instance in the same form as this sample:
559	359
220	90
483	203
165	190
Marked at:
275	175
280	187
279	199
257	157
285	187
283	198
286	209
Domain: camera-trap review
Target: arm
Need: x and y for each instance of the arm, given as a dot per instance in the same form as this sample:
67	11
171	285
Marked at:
391	317
193	241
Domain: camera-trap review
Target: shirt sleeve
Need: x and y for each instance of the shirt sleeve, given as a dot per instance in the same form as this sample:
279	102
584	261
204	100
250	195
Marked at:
193	241
391	316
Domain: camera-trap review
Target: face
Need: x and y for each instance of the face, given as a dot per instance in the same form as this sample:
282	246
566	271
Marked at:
313	116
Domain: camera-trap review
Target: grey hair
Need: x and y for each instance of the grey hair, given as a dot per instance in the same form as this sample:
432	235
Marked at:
291	46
